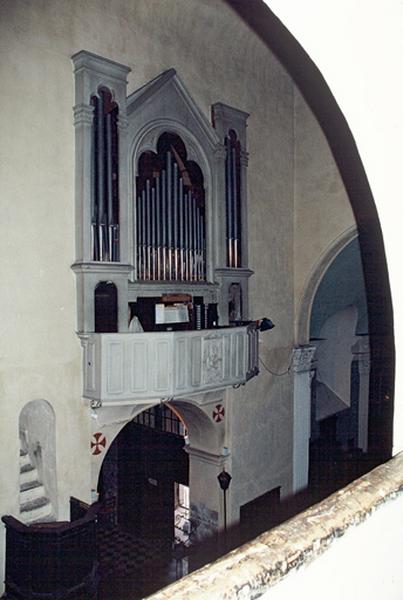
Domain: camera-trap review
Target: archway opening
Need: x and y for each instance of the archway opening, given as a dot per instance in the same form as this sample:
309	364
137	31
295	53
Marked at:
143	487
341	447
38	480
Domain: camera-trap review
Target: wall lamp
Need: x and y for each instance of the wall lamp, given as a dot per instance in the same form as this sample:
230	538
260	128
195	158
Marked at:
265	324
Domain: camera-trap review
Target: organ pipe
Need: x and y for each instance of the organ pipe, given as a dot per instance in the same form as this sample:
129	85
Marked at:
104	187
171	228
233	200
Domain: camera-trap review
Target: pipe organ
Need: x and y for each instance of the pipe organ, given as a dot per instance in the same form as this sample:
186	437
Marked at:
104	179
160	198
233	200
161	252
170	215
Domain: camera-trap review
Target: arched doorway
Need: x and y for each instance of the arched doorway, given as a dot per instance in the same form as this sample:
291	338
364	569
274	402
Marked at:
38	480
162	503
144	489
338	328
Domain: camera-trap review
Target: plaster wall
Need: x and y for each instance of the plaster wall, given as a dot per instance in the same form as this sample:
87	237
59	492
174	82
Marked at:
226	63
40	350
41	356
323	211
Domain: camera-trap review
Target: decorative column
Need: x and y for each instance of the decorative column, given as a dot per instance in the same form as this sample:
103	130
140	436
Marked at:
361	353
302	364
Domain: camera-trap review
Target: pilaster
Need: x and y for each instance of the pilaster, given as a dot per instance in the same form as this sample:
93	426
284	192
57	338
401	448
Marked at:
361	353
302	363
206	496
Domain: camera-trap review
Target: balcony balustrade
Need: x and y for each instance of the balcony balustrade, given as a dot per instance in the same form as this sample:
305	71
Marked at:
130	368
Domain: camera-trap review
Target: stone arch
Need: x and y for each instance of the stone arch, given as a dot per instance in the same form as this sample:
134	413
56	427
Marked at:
303	317
37	431
202	432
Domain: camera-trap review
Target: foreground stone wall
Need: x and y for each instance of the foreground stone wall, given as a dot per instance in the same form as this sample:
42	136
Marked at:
337	548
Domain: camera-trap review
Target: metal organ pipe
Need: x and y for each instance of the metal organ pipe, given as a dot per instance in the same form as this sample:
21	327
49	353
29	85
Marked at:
164	222
158	224
169	212
100	175
144	228
94	191
232	201
181	240
148	205
104	190
170	226
153	235
228	201
186	235
175	220
234	206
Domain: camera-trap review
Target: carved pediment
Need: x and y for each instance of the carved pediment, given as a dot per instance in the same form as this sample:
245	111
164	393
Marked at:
165	104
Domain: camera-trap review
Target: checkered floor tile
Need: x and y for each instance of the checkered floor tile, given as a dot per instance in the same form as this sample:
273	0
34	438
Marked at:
132	568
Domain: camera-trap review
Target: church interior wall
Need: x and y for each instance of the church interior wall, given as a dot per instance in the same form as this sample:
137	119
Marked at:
41	352
323	212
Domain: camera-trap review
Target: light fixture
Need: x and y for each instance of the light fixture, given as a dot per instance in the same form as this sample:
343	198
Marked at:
265	324
224	479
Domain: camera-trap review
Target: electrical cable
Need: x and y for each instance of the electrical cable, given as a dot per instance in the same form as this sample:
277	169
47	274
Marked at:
273	372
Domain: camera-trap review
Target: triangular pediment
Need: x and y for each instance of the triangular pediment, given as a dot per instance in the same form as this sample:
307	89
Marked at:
166	98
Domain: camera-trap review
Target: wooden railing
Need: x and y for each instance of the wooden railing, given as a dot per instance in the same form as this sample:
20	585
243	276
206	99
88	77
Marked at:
53	561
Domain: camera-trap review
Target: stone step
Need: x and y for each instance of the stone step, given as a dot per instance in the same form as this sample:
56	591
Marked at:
36	510
29	485
31	491
24	459
28	474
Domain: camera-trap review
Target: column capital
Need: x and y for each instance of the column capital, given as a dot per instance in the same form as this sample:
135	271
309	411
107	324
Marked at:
219	460
83	114
122	122
220	152
244	157
302	358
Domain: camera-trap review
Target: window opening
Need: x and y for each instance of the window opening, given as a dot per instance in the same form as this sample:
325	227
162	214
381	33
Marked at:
104	179
170	214
233	199
161	418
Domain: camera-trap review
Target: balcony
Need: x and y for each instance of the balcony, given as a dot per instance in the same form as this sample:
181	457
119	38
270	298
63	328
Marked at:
131	368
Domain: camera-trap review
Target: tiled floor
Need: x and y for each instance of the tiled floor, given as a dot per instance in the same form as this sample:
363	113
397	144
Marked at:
131	568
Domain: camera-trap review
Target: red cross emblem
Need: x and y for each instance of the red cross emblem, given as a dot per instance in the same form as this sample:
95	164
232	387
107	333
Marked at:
98	443
218	413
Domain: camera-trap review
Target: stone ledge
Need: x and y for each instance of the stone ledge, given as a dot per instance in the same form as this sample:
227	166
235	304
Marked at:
248	571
